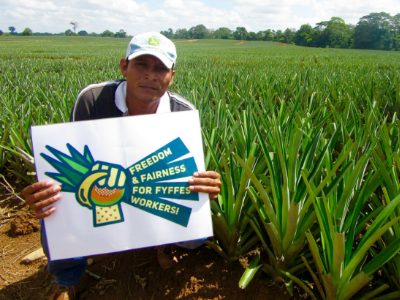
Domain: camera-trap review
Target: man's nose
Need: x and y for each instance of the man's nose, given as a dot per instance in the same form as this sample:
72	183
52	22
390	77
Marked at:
151	73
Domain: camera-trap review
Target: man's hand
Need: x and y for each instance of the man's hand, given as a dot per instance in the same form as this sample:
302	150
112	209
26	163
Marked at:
206	182
40	196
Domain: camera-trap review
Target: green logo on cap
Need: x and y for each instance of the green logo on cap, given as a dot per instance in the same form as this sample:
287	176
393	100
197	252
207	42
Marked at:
153	41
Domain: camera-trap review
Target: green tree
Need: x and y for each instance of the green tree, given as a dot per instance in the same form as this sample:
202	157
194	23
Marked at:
223	33
251	36
374	31
120	34
289	35
181	33
334	33
27	31
319	36
83	33
279	37
240	33
168	33
12	30
198	32
396	31
269	35
1	32
260	35
69	32
107	33
304	36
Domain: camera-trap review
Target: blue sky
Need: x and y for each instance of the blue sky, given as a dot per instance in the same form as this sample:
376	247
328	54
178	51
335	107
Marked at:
138	16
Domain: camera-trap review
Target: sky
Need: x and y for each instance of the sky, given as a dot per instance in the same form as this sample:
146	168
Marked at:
134	16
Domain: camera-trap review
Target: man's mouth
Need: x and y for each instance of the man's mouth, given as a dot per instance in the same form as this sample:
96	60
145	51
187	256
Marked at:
149	87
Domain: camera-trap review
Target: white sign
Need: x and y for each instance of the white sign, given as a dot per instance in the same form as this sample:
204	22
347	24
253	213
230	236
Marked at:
124	183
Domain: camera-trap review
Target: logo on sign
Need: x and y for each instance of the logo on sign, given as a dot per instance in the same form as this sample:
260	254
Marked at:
146	185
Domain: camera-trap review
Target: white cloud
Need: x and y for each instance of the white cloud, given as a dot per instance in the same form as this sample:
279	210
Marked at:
190	13
352	11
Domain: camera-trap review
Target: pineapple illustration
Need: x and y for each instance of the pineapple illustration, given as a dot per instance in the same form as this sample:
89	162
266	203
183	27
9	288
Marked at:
97	185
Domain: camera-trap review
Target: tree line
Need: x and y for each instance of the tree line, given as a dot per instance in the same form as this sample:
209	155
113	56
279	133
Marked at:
374	31
379	31
106	33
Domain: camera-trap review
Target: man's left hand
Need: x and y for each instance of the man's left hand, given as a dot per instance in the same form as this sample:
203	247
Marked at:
206	182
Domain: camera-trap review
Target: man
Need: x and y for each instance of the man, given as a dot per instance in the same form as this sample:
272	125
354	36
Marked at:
149	70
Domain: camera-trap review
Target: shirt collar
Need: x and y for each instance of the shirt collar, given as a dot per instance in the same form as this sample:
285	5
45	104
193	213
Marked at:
120	100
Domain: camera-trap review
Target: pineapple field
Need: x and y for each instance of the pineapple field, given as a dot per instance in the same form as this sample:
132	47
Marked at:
307	142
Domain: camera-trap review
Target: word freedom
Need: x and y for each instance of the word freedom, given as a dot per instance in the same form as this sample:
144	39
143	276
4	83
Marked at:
144	164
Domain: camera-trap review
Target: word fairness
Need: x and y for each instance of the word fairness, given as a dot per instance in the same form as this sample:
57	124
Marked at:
160	174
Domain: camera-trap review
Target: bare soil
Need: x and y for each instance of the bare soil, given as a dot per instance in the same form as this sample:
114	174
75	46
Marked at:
194	274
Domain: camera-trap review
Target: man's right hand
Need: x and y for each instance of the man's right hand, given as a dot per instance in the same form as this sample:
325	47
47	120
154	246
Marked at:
40	196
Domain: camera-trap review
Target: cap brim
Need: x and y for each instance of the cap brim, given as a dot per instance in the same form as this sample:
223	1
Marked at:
167	62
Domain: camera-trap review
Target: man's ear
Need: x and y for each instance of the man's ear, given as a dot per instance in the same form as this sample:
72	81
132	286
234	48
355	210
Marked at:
123	66
172	78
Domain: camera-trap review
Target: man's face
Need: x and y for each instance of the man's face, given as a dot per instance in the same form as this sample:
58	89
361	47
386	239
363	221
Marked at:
147	77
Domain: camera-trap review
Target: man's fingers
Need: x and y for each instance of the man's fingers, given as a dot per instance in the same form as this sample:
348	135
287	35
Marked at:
207	174
40	205
208	178
43	194
205	189
35	187
45	213
40	196
206	182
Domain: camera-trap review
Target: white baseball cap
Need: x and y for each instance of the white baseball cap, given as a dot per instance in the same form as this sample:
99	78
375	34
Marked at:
152	43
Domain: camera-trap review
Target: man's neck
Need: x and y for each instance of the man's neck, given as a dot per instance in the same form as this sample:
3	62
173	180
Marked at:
138	107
